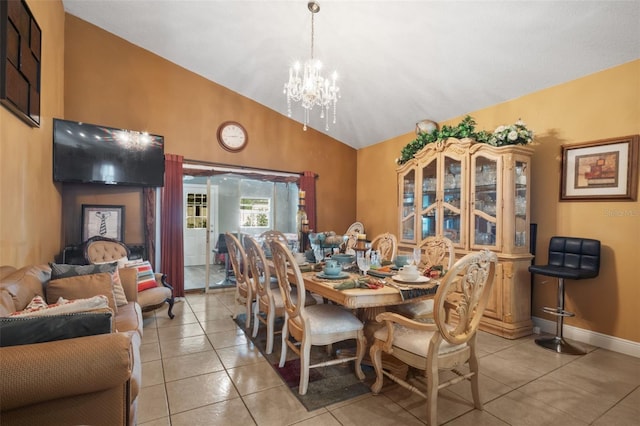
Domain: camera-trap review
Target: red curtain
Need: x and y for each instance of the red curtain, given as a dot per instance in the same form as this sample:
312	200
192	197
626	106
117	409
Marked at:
171	218
308	185
149	209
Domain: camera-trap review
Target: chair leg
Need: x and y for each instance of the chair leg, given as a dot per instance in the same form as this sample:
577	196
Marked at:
247	305
171	301
475	385
256	321
285	336
305	355
271	319
361	345
557	343
432	393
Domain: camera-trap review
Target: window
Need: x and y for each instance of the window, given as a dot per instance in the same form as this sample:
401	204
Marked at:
196	211
255	212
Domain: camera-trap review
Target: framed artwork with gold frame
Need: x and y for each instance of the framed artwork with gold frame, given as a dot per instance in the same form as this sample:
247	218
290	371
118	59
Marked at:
602	170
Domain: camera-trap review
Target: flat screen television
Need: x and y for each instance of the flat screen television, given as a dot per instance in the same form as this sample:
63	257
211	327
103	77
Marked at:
87	153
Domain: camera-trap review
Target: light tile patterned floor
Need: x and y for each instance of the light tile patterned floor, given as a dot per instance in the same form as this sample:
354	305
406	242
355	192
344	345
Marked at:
199	369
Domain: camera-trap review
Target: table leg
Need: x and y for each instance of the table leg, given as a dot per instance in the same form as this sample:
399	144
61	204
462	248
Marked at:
390	363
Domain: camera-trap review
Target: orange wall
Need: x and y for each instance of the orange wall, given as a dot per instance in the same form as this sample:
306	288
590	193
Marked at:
110	81
31	203
599	106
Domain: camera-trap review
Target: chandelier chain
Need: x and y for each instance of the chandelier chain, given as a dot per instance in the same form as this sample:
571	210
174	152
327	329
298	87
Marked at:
312	33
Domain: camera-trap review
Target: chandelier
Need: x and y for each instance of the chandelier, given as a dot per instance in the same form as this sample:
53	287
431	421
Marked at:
309	87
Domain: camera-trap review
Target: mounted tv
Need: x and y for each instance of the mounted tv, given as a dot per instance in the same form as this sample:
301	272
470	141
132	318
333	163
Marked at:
87	153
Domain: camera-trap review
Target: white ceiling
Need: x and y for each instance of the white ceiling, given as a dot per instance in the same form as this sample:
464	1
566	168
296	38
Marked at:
398	61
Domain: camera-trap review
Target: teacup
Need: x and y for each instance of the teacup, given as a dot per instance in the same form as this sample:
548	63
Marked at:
332	267
402	260
409	273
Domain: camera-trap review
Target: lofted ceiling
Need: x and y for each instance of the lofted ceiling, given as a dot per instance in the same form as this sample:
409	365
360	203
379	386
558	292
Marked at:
398	61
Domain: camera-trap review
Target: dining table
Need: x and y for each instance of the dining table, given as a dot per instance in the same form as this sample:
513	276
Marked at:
369	302
392	293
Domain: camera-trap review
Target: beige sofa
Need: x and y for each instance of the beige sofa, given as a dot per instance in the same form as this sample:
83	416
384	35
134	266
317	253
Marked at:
88	380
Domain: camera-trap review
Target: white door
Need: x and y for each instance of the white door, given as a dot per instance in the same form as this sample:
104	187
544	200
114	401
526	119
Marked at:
200	220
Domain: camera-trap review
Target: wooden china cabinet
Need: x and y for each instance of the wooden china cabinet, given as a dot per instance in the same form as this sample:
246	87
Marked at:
477	195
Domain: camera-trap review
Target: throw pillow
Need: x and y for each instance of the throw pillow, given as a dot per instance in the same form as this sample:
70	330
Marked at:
146	277
118	290
36	304
63	306
22	330
122	262
82	287
59	270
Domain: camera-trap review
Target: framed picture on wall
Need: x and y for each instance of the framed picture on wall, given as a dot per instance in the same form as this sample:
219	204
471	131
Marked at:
603	170
20	55
102	220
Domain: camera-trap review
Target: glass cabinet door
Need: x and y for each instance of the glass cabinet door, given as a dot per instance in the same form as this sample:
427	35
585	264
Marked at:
521	172
429	204
408	206
451	199
486	202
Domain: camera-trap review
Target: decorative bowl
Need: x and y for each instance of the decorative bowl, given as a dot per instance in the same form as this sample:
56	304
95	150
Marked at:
344	259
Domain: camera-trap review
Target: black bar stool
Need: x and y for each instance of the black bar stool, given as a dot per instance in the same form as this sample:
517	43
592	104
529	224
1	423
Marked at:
569	258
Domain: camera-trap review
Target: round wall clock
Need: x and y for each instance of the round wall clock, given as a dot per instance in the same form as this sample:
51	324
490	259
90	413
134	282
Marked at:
232	136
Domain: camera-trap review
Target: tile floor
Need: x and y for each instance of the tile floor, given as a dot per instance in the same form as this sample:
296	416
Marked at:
195	277
199	369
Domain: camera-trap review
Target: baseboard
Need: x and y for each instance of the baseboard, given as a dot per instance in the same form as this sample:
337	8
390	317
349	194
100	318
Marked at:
593	338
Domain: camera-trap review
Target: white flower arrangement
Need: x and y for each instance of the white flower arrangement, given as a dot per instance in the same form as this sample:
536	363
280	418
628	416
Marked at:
516	134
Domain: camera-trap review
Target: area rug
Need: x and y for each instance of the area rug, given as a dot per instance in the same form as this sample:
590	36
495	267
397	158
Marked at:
327	385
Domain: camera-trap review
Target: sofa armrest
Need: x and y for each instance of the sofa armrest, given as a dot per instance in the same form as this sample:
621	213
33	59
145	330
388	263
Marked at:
30	374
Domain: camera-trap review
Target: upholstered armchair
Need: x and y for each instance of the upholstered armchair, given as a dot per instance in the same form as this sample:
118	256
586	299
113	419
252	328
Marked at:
105	250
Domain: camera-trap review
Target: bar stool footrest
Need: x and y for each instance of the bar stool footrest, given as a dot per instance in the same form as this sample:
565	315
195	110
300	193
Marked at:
559	312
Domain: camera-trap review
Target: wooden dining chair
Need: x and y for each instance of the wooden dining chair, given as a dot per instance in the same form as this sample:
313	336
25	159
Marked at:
270	235
387	245
315	325
436	251
269	304
355	227
245	293
431	347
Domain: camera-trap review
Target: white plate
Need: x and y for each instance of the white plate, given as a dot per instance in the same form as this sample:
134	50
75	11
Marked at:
420	280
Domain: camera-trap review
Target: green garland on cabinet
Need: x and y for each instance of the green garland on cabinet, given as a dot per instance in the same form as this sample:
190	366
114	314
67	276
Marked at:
515	134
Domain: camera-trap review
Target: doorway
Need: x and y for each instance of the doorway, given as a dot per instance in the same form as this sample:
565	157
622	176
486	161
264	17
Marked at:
200	233
219	200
